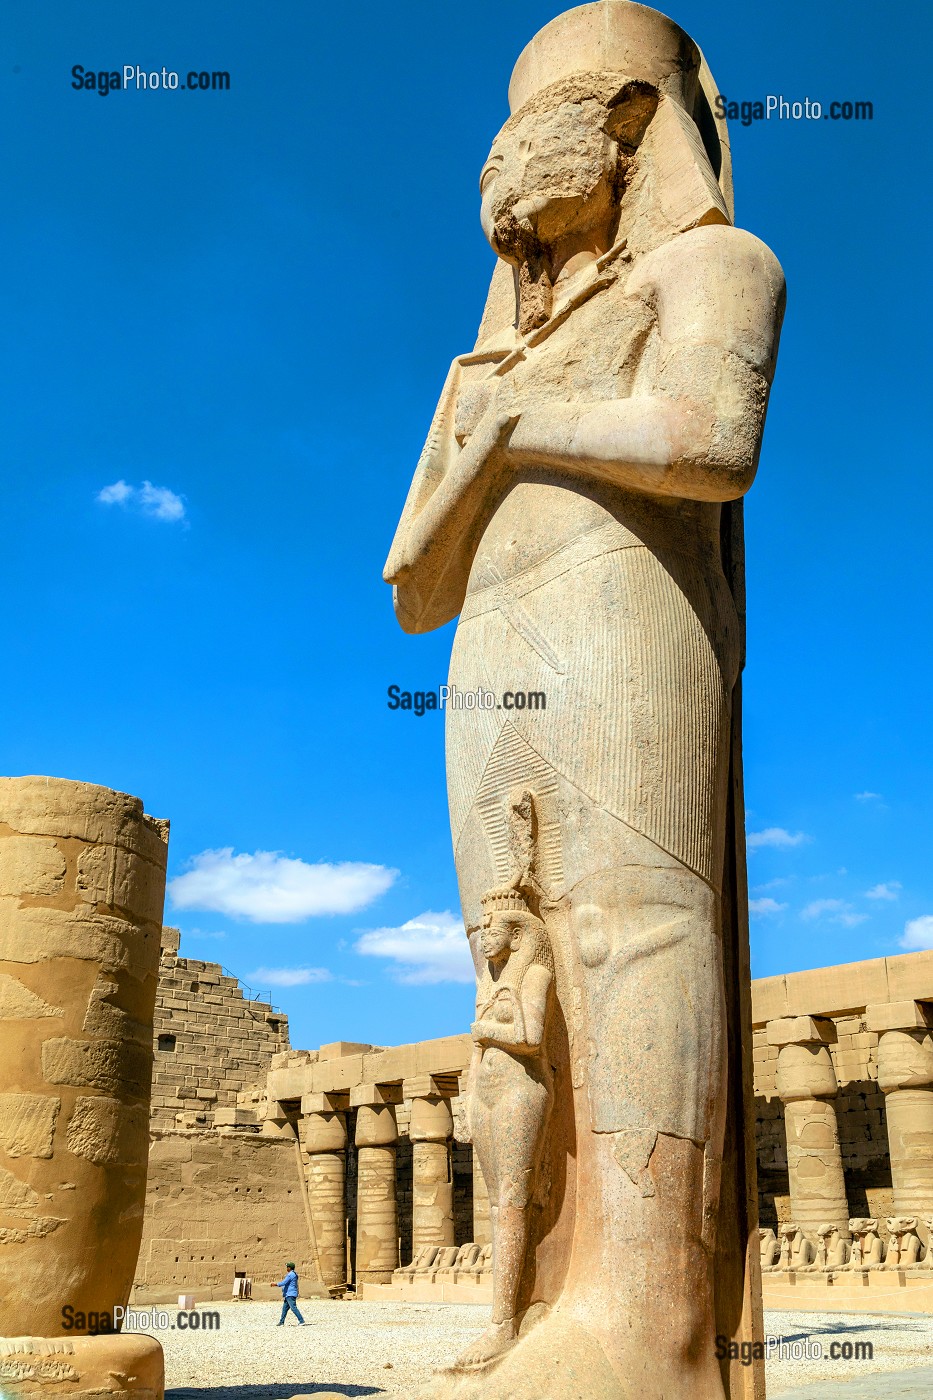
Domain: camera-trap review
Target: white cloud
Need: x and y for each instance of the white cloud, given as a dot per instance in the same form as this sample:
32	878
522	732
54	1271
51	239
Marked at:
868	797
889	890
428	948
918	933
270	888
771	884
765	906
115	495
775	836
158	502
838	911
287	976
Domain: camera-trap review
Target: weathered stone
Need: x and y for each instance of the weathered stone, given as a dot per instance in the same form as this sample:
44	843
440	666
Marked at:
18	1003
31	866
71	1235
107	1132
27	1124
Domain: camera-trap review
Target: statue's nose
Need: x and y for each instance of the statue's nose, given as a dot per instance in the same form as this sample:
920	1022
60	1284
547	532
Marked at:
526	211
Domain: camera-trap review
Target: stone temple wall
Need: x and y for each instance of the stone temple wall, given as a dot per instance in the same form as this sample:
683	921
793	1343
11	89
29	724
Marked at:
211	1043
218	1205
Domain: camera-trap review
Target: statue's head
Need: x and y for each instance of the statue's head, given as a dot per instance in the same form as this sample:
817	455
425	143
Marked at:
507	922
588	90
557	169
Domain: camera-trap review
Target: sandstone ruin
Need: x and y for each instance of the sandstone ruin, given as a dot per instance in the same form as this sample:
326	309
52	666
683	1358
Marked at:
82	880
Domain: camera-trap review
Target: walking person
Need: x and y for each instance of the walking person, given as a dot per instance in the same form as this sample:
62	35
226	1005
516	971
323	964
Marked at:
289	1287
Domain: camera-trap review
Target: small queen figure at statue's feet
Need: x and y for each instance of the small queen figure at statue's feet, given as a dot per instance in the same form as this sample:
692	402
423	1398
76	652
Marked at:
511	1084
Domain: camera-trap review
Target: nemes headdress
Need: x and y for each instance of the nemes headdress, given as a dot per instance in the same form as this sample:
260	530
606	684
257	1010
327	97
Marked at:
619	36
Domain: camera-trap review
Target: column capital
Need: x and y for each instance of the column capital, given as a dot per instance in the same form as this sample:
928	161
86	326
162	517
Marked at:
801	1030
323	1132
905	1058
431	1119
899	1016
376	1125
805	1070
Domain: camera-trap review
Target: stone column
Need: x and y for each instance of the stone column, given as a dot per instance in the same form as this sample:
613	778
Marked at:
430	1130
482	1221
323	1135
376	1205
905	1077
806	1083
82	879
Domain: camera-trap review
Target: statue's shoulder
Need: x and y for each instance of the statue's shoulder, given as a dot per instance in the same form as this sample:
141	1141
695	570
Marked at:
716	283
719	252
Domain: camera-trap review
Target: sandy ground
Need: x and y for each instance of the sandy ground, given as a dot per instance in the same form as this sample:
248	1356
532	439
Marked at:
359	1349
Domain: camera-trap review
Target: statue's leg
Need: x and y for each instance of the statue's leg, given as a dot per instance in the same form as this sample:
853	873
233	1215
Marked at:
644	962
639	979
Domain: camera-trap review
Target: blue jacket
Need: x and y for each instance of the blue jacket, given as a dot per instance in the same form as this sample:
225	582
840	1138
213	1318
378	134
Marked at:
289	1285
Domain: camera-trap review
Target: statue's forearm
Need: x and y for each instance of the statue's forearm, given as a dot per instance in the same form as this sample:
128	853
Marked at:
429	562
503	1036
665	446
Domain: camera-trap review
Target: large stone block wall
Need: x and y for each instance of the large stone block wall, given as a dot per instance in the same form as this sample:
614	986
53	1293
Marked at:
217	1205
211	1043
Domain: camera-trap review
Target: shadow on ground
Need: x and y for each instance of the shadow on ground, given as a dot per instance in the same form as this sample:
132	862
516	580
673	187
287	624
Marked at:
287	1390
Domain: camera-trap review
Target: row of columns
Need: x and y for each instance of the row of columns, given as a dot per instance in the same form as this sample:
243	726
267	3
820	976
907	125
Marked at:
806	1084
324	1139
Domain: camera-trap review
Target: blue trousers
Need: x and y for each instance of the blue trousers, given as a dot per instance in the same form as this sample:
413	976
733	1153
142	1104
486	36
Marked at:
287	1303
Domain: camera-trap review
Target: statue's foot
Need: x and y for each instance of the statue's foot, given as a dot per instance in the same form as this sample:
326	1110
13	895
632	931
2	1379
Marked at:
560	1359
494	1342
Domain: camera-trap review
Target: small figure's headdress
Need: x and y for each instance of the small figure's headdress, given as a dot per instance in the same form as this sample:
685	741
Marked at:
504	901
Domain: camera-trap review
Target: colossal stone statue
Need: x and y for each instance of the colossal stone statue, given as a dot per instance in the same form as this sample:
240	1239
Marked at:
576	504
82	881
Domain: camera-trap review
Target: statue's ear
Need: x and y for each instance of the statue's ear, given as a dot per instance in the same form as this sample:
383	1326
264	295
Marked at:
630	112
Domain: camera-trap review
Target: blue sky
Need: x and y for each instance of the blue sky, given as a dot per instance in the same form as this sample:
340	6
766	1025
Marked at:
235	309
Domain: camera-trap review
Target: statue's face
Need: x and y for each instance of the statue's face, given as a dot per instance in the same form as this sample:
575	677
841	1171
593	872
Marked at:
498	936
548	175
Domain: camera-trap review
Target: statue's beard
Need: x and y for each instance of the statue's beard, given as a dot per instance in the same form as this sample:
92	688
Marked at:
517	243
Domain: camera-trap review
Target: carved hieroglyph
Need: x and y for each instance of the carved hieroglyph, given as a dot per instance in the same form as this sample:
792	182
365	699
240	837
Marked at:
82	882
575	504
